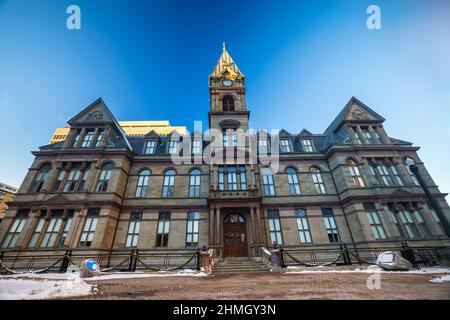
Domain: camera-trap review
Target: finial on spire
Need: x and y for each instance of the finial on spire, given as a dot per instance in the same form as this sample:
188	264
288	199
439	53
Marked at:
224	46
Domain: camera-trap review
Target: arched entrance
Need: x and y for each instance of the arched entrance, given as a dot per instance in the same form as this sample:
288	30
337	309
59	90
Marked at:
234	236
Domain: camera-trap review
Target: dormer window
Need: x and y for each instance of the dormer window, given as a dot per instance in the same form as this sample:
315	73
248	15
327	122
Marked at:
173	145
196	147
307	145
150	147
368	135
77	137
228	103
87	138
99	139
285	145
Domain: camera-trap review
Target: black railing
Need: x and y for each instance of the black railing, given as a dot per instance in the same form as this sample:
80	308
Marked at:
419	256
135	260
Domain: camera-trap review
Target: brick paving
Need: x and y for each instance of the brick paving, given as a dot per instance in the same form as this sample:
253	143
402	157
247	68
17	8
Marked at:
273	286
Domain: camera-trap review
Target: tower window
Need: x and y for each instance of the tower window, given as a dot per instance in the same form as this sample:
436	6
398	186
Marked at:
228	103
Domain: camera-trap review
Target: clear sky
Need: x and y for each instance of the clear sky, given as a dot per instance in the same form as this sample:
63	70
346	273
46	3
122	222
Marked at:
150	60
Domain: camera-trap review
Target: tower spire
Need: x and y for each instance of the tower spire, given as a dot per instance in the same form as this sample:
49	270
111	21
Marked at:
226	64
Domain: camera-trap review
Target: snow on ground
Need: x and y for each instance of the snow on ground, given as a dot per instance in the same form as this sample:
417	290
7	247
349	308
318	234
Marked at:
36	289
371	269
31	286
441	279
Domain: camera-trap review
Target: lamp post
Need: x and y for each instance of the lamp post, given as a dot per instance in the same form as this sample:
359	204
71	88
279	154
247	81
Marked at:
415	170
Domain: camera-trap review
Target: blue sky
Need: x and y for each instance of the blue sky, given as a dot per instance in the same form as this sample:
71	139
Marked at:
150	60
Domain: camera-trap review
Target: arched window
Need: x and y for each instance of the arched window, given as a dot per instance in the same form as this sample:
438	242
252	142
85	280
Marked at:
269	186
318	180
194	183
105	176
228	103
169	179
40	178
355	173
294	185
142	184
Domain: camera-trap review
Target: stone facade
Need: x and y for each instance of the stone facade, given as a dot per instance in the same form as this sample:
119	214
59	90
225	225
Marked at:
101	190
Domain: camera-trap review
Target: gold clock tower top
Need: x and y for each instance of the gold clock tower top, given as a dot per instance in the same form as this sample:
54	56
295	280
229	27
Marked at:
226	68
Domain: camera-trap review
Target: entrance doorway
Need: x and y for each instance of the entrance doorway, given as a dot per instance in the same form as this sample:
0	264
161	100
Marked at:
234	236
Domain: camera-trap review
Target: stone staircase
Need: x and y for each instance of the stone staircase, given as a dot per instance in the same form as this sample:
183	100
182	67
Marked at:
239	265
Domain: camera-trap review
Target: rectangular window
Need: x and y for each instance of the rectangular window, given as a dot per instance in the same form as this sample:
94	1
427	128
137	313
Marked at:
276	235
99	140
194	185
197	147
396	175
87	236
330	225
221	178
37	231
269	186
408	224
262	146
192	233
173	146
394	218
59	180
384	175
307	145
72	179
133	230
229	138
66	229
87	140
356	175
367	135
77	138
303	227
423	227
162	236
243	178
87	171
375	223
232	178
318	182
15	229
52	230
285	145
357	137
150	147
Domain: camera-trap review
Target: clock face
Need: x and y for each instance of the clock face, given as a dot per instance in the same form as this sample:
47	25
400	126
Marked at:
227	83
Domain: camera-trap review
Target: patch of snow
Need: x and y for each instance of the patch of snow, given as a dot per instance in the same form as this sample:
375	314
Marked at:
441	279
37	289
372	269
106	276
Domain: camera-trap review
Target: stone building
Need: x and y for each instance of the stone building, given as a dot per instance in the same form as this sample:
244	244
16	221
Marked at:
6	195
101	190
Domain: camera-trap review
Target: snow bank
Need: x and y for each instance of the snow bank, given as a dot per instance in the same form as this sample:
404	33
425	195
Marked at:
372	269
440	279
36	289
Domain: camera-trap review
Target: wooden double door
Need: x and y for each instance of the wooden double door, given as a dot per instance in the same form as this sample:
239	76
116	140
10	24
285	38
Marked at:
234	236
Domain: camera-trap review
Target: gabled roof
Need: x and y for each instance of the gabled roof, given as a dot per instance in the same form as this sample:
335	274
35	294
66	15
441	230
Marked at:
226	65
98	113
354	110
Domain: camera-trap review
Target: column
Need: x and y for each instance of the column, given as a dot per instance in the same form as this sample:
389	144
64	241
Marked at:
374	136
351	134
252	226
258	224
53	174
264	226
429	219
361	135
80	140
211	225
390	226
383	136
217	232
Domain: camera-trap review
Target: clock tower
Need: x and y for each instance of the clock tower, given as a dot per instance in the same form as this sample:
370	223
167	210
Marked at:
228	108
